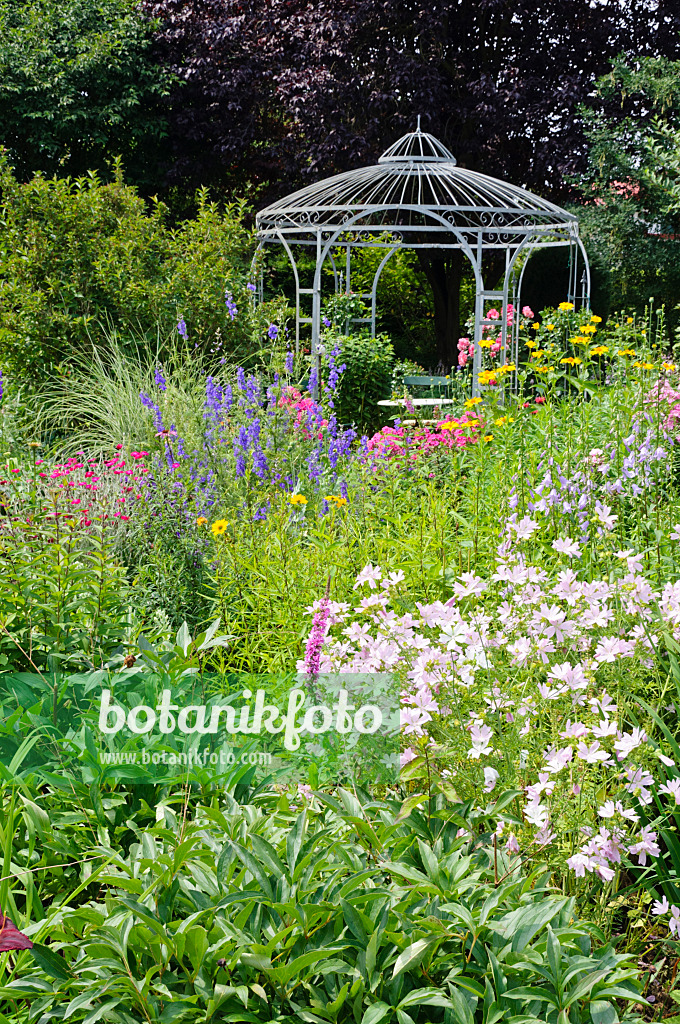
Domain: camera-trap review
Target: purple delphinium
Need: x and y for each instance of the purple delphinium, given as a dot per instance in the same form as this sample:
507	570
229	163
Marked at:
232	309
313	380
148	403
251	287
182	327
290	358
160	379
273	332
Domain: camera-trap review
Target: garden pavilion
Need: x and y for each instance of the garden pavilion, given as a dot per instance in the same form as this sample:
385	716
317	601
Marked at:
417	197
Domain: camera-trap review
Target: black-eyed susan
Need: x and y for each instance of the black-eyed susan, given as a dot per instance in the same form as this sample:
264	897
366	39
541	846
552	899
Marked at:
297	499
219	527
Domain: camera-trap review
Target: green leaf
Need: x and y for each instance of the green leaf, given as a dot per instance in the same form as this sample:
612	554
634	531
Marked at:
52	964
376	1013
411	956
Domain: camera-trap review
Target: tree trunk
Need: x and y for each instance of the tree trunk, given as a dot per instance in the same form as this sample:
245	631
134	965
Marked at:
443	270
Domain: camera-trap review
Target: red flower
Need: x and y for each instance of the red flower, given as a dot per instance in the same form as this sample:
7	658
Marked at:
11	937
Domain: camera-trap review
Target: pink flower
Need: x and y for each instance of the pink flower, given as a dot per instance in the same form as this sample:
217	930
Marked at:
528	311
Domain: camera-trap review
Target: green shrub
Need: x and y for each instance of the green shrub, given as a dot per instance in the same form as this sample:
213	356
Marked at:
81	256
366	379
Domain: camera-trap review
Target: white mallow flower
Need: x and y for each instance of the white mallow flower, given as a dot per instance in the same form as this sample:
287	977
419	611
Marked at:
490	779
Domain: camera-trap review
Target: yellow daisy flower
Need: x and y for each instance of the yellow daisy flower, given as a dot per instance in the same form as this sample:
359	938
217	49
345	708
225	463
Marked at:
219	527
596	319
566	307
599	350
201	521
472	401
297	499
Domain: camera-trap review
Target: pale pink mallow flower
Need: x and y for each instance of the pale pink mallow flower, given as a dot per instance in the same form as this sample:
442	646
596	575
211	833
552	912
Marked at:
481	738
490	779
591	754
413	720
567	546
647	845
674	923
661	906
369	574
407	756
629	741
672	787
638	783
512	846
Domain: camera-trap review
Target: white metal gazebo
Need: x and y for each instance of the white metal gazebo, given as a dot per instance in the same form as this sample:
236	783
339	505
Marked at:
417	197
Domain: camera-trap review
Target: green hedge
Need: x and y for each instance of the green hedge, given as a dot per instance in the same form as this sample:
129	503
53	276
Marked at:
79	258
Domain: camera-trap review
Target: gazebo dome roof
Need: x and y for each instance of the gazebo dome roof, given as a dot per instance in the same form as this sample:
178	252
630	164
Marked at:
415	185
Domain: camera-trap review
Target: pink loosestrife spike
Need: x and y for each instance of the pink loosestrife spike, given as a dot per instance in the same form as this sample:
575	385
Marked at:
11	937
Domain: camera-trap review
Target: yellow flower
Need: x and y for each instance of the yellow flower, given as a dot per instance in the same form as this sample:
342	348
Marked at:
449	425
534	327
219	527
485	342
337	499
502	420
487	377
543	369
648	366
472	401
488	437
531	343
669	366
297	499
588	329
537	354
625	352
599	350
580	340
596	319
507	368
566	306
629	320
201	521
571	361
550	327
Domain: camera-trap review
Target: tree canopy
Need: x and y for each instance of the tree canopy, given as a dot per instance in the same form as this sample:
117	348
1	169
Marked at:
78	87
285	90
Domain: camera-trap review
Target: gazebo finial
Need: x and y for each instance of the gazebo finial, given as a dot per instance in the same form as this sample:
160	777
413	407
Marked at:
418	124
